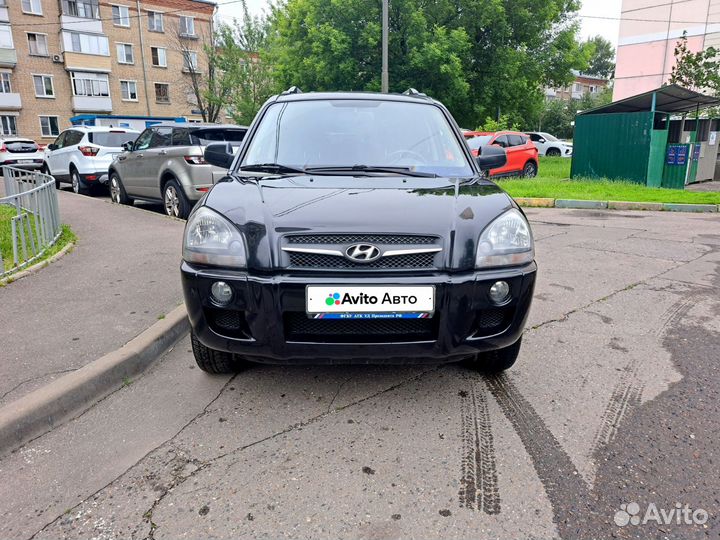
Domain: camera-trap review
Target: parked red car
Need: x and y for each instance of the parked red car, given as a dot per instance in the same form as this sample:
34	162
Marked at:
522	155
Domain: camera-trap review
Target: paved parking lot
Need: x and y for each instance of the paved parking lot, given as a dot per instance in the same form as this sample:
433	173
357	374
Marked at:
614	401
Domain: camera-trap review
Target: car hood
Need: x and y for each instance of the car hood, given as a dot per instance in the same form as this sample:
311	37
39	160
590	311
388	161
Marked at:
454	210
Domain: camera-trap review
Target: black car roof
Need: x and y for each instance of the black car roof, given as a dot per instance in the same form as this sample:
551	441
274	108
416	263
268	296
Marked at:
320	96
195	125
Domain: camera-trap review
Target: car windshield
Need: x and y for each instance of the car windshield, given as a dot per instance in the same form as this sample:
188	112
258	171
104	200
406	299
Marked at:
354	133
548	137
208	136
111	139
477	142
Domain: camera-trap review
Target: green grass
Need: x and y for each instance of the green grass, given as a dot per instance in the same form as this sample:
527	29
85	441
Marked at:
6	215
553	181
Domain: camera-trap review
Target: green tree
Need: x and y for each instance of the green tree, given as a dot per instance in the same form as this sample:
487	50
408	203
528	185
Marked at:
600	56
696	70
248	72
482	58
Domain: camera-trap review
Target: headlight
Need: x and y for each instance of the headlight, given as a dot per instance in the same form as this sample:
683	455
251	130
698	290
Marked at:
507	241
211	239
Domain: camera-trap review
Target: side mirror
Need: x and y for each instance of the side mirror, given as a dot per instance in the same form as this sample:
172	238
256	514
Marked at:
491	157
128	146
51	146
219	154
541	140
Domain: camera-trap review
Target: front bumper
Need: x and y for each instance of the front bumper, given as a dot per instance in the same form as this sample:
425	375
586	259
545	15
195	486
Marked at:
267	317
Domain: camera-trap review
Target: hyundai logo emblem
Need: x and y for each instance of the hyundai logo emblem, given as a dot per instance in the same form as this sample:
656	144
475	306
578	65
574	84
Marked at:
362	253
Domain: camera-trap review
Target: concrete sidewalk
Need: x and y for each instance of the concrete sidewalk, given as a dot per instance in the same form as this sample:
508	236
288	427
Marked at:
120	278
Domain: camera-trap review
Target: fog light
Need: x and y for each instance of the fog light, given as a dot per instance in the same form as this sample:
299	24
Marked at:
221	293
500	292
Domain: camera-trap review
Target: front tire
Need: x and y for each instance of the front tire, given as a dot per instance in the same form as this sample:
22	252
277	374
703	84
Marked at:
174	200
552	152
529	170
498	360
212	361
118	194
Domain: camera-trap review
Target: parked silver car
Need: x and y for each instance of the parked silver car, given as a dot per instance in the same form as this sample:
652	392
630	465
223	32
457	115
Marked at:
165	163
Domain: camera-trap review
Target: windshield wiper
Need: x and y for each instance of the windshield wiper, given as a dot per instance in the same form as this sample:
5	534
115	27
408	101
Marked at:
371	169
274	168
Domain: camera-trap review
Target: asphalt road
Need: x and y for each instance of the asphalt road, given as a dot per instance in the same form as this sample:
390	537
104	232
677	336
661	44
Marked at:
614	401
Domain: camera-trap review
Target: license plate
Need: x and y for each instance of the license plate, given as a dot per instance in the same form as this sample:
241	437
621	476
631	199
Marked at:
26	161
370	302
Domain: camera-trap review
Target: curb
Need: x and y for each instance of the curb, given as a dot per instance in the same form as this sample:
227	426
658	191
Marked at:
677	207
46	408
541	202
580	203
35	267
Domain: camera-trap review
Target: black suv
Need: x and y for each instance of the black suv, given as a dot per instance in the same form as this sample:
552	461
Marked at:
356	227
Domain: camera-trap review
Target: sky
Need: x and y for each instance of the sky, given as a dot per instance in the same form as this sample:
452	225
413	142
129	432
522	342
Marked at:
589	27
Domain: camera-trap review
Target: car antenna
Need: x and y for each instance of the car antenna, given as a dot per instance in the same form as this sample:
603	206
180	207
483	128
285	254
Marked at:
413	92
292	90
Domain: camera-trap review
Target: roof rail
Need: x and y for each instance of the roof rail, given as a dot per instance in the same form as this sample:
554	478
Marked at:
291	90
413	92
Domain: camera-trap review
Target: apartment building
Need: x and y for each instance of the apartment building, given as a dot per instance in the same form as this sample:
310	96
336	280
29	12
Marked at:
583	84
60	59
649	31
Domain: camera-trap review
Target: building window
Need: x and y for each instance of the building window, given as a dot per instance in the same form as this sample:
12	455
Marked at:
87	9
38	44
162	92
190	62
86	43
187	26
49	126
8	125
33	7
6	39
159	56
121	16
90	84
5	86
125	53
43	86
128	90
155	21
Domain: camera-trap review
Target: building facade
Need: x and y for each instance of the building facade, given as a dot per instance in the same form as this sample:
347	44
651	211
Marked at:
64	58
583	84
649	31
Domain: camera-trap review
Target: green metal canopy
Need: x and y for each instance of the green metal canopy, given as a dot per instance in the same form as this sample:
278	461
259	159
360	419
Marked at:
668	99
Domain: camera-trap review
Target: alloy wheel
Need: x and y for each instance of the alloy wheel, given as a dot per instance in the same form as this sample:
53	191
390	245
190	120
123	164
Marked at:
76	182
172	202
114	190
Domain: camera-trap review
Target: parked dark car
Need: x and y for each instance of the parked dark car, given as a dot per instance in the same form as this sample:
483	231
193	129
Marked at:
356	227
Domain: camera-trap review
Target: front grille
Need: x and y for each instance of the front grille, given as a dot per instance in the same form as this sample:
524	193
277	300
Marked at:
360	238
299	327
228	322
490	318
396	262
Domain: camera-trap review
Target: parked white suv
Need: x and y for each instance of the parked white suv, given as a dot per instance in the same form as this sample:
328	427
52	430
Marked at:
81	155
550	146
20	152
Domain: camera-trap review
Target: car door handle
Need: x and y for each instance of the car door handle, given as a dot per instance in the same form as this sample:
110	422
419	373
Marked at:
138	155
162	152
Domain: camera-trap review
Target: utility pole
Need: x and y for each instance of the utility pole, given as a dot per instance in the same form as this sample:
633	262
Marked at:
385	77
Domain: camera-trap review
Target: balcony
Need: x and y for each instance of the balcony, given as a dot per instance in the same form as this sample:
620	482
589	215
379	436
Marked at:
81	16
10	101
8	58
92	104
86	62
